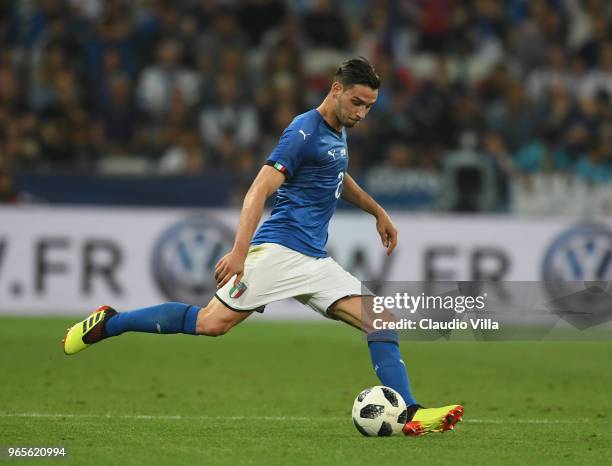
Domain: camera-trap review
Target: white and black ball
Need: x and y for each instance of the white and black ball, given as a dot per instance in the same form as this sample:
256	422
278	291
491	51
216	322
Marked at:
379	412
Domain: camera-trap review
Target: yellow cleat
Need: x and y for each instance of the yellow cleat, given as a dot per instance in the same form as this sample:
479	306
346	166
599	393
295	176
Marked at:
88	331
427	420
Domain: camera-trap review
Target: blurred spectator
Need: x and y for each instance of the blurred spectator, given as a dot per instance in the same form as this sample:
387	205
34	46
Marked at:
434	19
11	97
599	79
467	113
8	191
541	156
54	60
578	73
118	115
89	9
324	27
431	108
111	67
528	39
540	81
471	179
187	35
222	31
157	82
229	117
400	157
180	119
599	33
594	166
558	112
59	118
288	32
283	62
372	39
259	16
514	118
184	158
501	159
113	33
577	139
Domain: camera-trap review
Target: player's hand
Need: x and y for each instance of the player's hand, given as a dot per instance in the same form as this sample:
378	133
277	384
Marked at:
229	265
387	231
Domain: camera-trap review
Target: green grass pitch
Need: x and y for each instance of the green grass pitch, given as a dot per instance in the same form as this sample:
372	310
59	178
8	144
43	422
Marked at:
281	393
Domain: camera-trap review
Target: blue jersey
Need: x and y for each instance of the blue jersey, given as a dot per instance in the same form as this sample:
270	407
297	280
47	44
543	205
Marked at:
314	159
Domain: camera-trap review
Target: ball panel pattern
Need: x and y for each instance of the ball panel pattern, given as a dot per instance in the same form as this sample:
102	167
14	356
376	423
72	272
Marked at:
385	430
390	396
371	411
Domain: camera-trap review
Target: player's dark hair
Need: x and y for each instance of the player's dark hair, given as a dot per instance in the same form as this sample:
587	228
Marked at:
357	71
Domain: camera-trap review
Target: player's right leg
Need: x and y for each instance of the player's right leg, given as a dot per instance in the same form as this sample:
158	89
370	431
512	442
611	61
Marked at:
213	320
390	368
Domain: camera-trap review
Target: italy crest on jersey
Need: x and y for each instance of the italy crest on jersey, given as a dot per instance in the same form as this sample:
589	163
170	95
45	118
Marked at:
237	290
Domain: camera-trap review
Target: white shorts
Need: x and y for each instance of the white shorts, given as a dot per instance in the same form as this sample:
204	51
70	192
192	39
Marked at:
273	272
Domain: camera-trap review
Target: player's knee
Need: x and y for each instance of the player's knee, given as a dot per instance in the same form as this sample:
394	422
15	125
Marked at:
215	329
211	327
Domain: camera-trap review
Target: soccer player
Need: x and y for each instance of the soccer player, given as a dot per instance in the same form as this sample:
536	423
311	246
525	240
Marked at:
286	257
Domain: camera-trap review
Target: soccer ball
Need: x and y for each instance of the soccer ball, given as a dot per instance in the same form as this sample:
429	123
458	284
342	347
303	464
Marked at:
379	412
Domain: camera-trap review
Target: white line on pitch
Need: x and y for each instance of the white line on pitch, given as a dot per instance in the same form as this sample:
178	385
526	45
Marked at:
179	417
162	417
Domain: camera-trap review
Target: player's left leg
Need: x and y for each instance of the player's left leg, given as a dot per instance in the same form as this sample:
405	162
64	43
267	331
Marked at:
106	322
390	368
213	320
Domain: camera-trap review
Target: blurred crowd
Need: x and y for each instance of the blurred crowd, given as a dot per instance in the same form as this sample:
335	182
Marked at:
186	86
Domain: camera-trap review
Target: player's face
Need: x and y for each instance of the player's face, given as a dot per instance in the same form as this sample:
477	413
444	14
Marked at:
353	103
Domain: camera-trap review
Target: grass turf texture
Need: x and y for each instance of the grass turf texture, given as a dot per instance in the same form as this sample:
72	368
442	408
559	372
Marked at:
281	393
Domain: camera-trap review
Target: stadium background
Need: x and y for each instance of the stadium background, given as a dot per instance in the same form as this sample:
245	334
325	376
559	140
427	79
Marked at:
484	104
129	132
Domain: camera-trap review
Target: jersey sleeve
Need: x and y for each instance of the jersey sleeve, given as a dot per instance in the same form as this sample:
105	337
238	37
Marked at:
289	153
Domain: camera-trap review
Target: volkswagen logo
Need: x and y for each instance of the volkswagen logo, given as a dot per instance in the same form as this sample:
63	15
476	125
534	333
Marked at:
185	256
577	270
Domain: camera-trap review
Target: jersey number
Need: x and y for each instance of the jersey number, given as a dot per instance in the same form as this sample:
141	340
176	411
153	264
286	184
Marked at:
339	187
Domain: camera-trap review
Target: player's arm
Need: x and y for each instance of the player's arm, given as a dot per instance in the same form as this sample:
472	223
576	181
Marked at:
267	182
352	192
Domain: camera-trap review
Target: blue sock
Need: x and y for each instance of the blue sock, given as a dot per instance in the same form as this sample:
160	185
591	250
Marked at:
388	364
163	318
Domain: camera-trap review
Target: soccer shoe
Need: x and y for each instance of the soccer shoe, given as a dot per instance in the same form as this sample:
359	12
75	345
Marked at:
427	420
88	331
